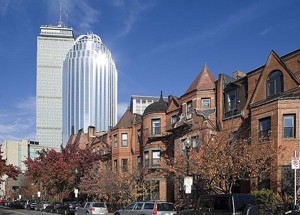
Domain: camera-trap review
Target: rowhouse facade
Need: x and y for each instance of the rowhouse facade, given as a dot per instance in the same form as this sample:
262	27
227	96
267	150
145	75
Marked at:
264	101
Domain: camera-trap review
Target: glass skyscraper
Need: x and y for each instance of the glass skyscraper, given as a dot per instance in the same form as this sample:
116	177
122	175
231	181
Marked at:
90	82
53	44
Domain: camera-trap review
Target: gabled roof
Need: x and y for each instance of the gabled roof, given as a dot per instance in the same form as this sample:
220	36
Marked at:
273	56
204	81
125	121
173	104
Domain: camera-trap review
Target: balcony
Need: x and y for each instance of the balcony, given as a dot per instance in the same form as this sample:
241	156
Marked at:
156	133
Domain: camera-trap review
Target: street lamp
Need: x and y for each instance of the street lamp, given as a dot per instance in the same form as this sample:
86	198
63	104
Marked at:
188	182
76	185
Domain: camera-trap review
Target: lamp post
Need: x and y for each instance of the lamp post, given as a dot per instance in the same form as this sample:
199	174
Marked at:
188	182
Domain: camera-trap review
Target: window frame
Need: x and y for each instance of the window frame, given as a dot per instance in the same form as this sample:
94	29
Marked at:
174	120
264	133
115	166
230	103
156	161
189	109
293	136
203	100
146	159
115	140
124	163
124	141
155	130
275	77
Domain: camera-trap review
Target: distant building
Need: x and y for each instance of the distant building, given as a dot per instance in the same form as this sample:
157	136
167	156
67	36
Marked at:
90	85
139	103
16	152
53	44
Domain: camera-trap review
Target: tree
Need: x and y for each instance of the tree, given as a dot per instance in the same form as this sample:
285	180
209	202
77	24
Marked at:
7	169
58	173
223	158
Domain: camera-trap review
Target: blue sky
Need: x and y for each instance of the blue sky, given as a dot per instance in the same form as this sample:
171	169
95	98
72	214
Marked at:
156	44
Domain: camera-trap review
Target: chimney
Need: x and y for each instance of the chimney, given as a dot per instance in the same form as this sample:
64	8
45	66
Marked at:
238	74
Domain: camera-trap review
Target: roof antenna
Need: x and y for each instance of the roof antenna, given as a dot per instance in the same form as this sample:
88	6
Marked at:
60	21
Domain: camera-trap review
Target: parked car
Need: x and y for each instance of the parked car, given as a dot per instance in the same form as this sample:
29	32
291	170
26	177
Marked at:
92	208
52	207
243	204
31	206
41	206
67	208
148	208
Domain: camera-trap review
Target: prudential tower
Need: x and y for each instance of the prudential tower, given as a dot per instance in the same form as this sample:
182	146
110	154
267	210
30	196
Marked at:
90	82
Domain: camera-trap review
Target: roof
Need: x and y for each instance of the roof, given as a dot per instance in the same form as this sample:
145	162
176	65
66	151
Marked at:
125	121
204	81
157	107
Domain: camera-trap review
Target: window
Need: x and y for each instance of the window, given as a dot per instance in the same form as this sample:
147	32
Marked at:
155	158
116	141
205	103
146	159
124	165
124	140
195	142
139	136
189	109
130	207
174	120
274	83
264	128
230	102
155	126
115	166
139	161
289	126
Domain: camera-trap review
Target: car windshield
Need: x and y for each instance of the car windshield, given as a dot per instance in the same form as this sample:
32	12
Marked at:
165	207
98	204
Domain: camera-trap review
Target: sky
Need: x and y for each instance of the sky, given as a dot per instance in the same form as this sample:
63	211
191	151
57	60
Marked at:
157	45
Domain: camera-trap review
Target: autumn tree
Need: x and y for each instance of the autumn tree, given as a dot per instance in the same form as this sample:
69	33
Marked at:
7	169
222	159
58	173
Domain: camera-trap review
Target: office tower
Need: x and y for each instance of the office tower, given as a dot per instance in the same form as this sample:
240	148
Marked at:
53	44
90	81
139	103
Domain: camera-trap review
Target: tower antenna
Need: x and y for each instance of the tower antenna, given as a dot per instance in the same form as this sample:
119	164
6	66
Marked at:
60	21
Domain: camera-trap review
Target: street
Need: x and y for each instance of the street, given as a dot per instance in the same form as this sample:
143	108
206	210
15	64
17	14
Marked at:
12	211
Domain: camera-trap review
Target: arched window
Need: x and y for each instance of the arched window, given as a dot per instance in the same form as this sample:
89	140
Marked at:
274	83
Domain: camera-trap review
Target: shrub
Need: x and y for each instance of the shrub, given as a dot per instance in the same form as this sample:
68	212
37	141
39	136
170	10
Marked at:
267	200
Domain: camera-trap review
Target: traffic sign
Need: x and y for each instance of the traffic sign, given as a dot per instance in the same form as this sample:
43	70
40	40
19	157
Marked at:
295	163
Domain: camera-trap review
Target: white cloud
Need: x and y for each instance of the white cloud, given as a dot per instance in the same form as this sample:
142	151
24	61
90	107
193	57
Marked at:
19	121
265	31
135	10
76	13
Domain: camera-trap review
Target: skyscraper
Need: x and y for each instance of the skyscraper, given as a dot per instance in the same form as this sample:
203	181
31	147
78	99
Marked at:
53	44
90	81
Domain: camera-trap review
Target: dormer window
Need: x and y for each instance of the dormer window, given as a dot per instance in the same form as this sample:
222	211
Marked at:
274	83
230	102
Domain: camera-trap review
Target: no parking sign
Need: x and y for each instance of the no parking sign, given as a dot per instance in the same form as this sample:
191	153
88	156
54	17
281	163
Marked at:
295	163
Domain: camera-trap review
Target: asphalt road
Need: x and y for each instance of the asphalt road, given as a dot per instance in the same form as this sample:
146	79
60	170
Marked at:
11	211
